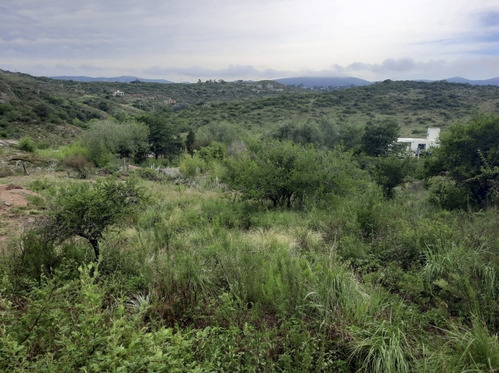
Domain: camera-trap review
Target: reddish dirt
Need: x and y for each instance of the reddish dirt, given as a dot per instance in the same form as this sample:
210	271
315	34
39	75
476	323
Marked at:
12	221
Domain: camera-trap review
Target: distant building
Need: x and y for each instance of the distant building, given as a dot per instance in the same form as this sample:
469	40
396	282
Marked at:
171	101
419	145
118	93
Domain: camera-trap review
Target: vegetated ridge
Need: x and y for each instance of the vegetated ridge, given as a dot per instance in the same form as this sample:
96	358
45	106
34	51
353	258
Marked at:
29	104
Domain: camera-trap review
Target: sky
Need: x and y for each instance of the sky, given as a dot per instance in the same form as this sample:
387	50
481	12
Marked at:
187	40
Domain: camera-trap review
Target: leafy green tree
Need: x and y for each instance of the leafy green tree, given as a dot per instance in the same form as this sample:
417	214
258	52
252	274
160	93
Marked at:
379	137
87	210
221	131
286	173
303	133
216	151
164	138
469	155
42	110
389	172
190	140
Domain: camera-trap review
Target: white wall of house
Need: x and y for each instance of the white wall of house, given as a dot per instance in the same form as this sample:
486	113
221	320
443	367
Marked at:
418	145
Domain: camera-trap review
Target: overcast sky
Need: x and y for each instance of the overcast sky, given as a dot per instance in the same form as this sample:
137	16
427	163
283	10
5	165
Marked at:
187	40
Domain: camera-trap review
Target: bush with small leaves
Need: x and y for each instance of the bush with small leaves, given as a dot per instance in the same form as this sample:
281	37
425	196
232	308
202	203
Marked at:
89	209
27	144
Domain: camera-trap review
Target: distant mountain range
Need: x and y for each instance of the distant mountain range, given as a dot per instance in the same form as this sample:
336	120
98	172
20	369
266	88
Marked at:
306	82
458	79
118	79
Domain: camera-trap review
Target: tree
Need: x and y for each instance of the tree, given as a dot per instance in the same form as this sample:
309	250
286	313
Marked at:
224	132
379	137
286	173
469	155
389	172
164	138
190	140
87	210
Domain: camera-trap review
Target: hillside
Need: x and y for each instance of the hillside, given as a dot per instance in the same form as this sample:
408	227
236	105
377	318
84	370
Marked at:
46	108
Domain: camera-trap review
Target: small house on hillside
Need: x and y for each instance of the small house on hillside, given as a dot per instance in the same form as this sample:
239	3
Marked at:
419	145
118	93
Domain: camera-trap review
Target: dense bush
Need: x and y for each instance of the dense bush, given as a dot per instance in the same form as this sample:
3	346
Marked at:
469	155
285	173
27	144
107	139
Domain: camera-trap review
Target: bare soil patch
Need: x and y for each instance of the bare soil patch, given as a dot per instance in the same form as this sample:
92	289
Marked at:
12	216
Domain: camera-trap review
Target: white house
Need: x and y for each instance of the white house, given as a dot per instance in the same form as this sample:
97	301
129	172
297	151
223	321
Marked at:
419	145
118	93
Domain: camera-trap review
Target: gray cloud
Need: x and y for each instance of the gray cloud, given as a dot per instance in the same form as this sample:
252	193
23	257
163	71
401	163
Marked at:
230	72
249	39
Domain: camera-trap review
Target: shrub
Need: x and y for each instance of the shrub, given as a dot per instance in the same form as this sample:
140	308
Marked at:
286	173
87	210
469	156
445	193
27	144
79	164
150	174
191	167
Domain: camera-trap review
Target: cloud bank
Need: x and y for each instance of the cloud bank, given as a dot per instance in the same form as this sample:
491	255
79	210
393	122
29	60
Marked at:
251	39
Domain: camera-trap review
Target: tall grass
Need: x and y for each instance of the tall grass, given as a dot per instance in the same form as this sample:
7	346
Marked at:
351	285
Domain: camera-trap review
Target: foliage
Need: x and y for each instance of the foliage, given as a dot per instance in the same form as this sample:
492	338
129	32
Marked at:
390	172
286	173
105	139
203	280
469	155
379	137
88	209
445	193
67	328
164	137
216	151
79	164
27	144
223	132
305	133
190	140
151	174
191	166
